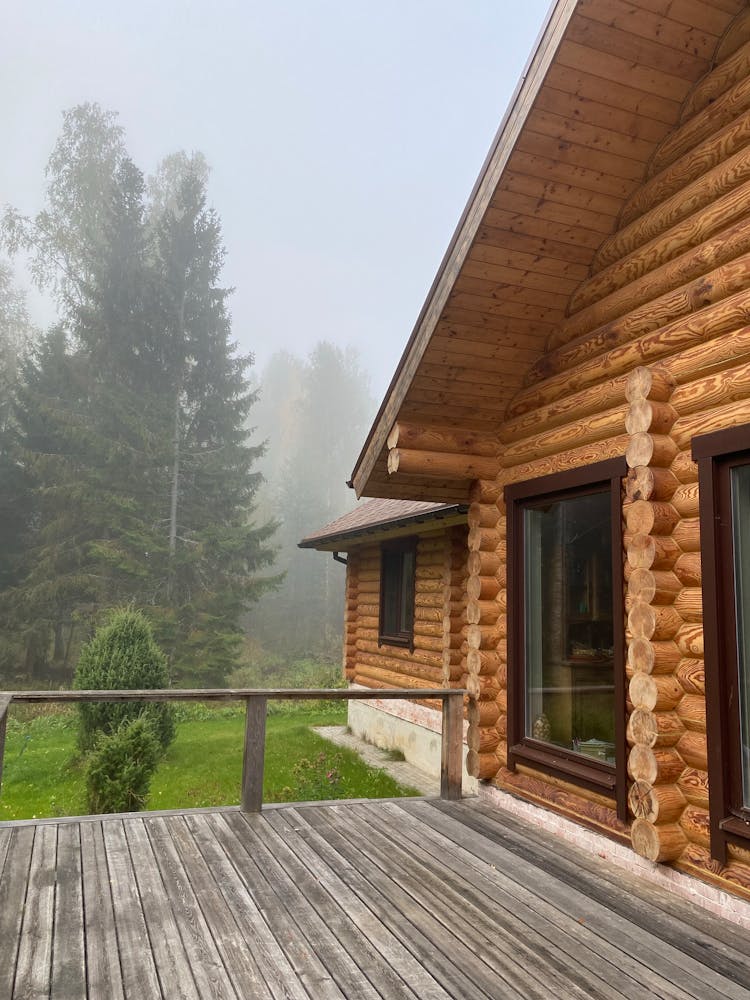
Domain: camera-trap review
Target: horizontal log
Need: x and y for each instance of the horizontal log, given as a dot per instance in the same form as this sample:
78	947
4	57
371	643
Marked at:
685	500
486	539
655	384
440	465
482	588
482	765
482	688
483	563
575	406
663	842
646	483
574	458
692	749
646	551
483	713
646	415
395	655
552	440
482	612
486	662
654	586
730	383
655	693
718	418
731	71
682	236
689	604
441	438
482	740
603	359
654	729
649	657
714	149
650	449
656	803
684	468
648	518
695	196
689	640
691	673
482	515
486	636
485	491
649	622
692	712
655	766
388	669
694	786
682	140
687	534
695	825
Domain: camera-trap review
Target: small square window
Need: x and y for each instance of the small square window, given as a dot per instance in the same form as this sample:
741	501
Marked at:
398	561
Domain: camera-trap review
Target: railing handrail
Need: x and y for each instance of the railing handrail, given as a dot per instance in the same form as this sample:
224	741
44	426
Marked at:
233	694
256	699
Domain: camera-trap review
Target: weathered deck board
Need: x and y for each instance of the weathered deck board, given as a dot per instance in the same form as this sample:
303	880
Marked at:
413	899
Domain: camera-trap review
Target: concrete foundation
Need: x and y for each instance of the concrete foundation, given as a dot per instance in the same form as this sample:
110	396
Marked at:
412	729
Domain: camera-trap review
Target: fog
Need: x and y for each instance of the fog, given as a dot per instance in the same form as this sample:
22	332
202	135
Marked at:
343	138
192	186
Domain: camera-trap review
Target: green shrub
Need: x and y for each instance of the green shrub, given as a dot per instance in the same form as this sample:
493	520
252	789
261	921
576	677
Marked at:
122	655
120	767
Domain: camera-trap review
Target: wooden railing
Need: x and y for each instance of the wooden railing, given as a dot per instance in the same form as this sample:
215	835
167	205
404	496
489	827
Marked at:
256	701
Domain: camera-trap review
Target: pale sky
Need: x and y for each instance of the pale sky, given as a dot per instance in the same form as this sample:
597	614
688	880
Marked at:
344	138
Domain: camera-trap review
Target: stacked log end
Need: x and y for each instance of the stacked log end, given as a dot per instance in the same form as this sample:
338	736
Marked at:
655	727
350	615
454	609
485	629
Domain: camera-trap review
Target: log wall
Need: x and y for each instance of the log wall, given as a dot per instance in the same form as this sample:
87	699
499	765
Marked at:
655	349
438	658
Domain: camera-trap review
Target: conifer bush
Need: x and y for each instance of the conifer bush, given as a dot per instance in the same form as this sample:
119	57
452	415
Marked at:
120	767
122	655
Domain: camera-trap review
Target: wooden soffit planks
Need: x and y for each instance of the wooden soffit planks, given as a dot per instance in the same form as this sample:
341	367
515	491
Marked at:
604	86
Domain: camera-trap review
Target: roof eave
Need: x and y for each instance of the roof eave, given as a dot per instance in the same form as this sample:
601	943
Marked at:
519	107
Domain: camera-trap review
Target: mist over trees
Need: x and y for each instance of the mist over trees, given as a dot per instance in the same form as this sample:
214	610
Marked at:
127	471
315	414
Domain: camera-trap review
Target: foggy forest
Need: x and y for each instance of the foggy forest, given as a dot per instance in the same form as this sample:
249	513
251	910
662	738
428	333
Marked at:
144	461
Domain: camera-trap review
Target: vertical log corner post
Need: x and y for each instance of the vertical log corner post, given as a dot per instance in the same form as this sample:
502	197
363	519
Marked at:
654	726
486	628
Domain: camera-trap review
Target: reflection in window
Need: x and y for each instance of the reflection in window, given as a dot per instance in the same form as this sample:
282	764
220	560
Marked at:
740	493
398	566
570	693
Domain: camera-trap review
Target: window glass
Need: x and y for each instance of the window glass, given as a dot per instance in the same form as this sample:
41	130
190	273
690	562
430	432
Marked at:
569	675
398	564
740	495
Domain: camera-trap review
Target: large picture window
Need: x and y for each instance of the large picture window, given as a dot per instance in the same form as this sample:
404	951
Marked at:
724	473
566	670
398	562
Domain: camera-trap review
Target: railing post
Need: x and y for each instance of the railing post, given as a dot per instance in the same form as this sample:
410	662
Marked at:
451	762
254	754
5	700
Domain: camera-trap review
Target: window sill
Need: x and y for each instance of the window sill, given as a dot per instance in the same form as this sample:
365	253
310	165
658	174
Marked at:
593	774
403	641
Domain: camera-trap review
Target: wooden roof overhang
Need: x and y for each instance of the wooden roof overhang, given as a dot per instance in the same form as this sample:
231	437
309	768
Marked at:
604	86
379	520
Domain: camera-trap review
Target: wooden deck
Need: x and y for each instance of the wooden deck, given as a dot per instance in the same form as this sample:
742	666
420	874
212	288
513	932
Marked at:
417	899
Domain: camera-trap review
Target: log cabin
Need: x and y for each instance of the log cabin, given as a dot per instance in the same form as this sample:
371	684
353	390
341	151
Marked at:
404	618
579	380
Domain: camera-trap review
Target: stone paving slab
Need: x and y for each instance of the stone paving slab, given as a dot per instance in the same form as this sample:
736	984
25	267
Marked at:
400	770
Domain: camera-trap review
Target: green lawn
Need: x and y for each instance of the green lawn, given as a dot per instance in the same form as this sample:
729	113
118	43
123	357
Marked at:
43	776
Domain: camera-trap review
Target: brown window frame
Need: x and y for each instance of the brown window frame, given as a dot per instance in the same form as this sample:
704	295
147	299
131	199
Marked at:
390	577
594	775
717	454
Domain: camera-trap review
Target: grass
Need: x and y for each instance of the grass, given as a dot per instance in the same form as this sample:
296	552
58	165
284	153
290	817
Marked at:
43	775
